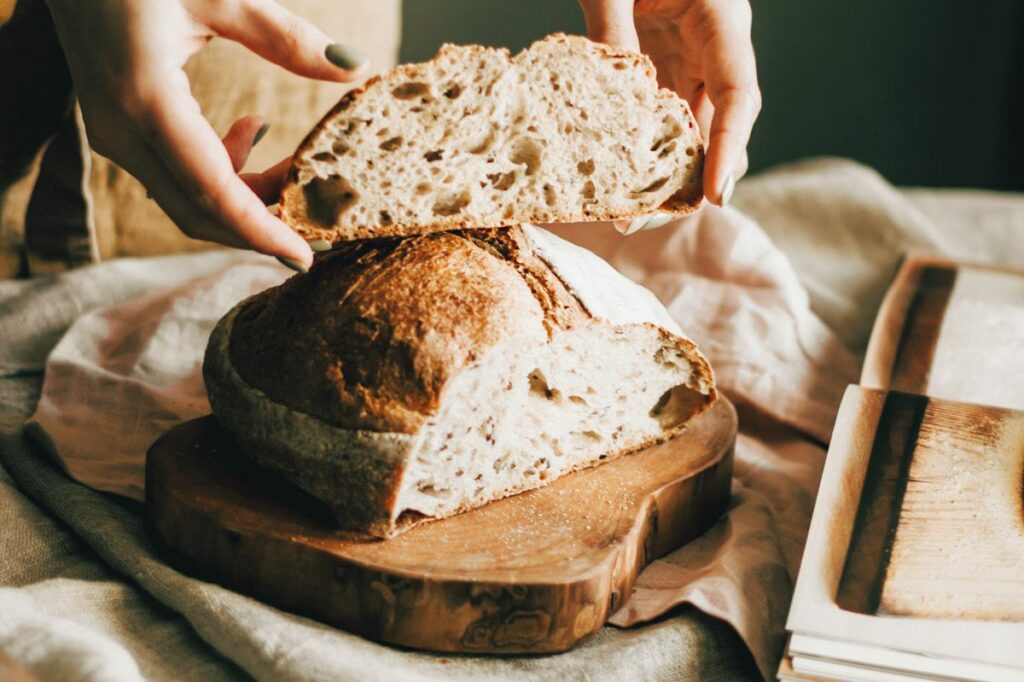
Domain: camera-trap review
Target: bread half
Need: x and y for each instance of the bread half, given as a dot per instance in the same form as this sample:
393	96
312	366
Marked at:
411	379
568	130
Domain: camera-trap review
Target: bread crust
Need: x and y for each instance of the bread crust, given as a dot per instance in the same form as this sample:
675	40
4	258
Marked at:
283	368
686	200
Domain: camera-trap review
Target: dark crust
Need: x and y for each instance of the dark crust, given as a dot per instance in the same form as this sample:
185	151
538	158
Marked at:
688	199
370	337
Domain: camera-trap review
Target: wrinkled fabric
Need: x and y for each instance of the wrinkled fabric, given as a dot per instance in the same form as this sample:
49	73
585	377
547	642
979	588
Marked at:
766	326
123	375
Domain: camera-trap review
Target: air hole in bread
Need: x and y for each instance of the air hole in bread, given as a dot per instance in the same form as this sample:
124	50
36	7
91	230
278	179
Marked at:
385	218
410	90
340	148
653	187
434	155
586	167
327	198
690	151
578	399
549	195
528	152
453	91
451	203
422	188
392	144
502	181
620	66
539	387
675	406
383	132
484	144
323	156
589	191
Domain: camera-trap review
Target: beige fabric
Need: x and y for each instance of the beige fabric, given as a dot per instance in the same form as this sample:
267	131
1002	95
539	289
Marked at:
229	82
13	204
123	375
62	572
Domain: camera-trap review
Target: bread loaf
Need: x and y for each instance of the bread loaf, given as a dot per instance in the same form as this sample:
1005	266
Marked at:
405	379
568	130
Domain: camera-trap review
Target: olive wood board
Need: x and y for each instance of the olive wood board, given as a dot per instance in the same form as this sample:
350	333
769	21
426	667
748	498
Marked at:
532	573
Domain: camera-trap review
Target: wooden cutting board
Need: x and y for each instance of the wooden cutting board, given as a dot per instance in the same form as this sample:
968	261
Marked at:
533	573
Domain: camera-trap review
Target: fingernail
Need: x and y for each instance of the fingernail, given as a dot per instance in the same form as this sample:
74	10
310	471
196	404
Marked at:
727	189
293	264
260	133
320	245
628	227
656	220
344	56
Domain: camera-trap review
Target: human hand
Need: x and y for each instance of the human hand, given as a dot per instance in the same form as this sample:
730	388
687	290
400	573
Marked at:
702	50
126	59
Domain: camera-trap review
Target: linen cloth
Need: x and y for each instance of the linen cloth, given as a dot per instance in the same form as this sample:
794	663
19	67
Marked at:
723	280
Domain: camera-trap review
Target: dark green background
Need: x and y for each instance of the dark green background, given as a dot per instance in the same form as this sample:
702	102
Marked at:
928	92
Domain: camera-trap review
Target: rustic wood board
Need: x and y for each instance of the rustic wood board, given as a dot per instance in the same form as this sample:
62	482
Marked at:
946	576
950	330
940	522
533	573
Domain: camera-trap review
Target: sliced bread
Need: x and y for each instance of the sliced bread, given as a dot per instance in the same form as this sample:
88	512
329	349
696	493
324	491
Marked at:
568	130
406	379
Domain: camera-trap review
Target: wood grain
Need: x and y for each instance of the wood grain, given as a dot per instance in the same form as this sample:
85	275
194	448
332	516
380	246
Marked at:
956	572
939	530
533	573
907	327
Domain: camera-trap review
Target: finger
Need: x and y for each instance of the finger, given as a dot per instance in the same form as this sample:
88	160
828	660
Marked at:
731	87
242	137
731	125
267	185
139	160
703	111
288	40
611	22
196	157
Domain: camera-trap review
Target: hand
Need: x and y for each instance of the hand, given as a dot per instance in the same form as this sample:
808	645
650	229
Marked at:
702	50
126	58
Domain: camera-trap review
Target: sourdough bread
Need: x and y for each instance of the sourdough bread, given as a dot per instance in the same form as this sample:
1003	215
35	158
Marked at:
568	130
405	379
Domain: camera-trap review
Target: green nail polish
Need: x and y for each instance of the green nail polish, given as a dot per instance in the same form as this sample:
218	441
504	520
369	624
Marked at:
320	245
260	133
293	264
344	56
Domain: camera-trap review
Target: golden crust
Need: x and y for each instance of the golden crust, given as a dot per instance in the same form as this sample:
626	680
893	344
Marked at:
329	377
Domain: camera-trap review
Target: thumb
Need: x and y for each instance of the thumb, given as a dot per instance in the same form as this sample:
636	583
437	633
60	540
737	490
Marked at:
611	22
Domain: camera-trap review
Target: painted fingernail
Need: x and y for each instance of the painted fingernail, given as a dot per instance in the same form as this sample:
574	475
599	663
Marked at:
260	133
293	264
320	245
344	56
727	189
